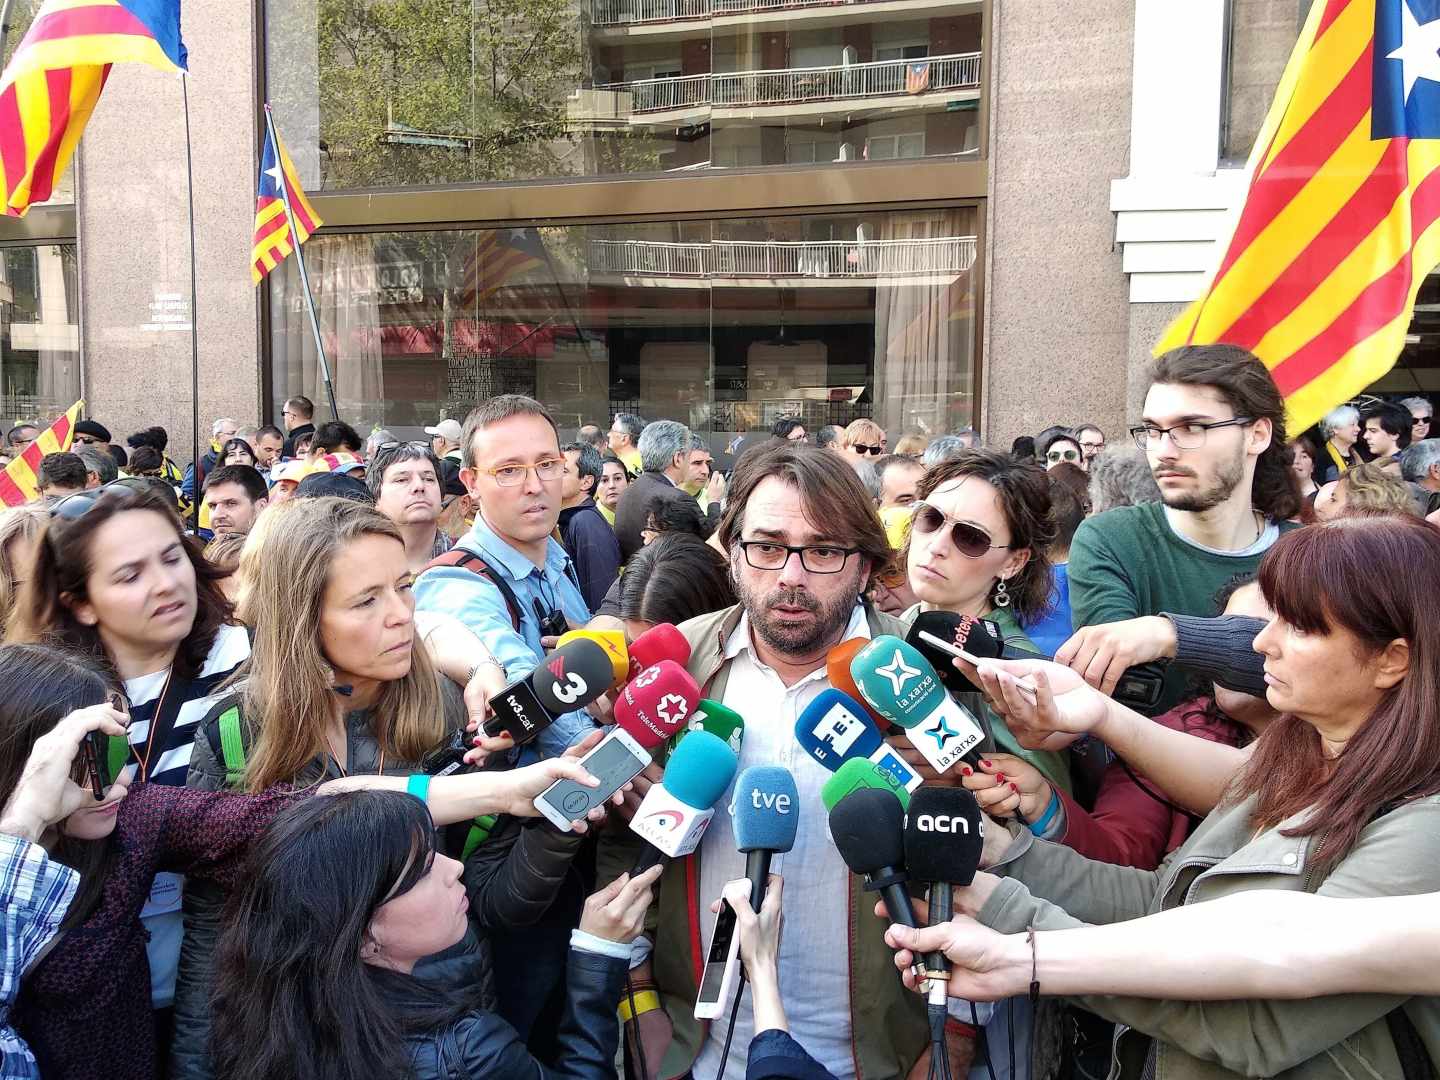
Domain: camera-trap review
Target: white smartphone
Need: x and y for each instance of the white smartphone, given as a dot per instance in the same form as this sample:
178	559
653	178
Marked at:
722	964
615	762
970	658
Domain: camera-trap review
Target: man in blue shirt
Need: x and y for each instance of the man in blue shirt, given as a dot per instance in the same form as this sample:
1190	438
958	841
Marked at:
513	470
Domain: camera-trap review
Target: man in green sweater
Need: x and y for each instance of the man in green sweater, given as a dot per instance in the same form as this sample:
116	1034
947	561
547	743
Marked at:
1214	431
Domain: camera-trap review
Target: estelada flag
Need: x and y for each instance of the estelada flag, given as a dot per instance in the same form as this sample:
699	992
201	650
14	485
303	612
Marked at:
19	484
1338	228
273	242
51	85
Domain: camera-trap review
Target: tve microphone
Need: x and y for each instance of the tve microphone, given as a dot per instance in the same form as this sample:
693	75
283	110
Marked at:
724	723
612	641
835	728
837	670
902	686
1139	688
674	814
944	835
661	642
868	827
649	711
856	774
567	679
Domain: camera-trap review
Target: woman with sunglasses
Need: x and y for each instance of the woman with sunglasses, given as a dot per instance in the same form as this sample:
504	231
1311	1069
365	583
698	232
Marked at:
864	438
1059	446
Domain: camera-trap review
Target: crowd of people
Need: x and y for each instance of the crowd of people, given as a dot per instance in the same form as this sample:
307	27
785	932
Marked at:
264	814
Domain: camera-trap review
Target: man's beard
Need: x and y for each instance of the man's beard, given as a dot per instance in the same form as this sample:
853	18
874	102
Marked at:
1227	478
798	641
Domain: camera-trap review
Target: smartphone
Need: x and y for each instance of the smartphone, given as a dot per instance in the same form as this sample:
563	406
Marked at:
954	650
615	762
94	756
722	962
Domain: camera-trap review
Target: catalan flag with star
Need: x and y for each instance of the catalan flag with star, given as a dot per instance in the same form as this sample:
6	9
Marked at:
274	242
52	83
1339	225
19	483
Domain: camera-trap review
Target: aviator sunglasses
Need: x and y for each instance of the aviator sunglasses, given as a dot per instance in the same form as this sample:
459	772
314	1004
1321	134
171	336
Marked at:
970	540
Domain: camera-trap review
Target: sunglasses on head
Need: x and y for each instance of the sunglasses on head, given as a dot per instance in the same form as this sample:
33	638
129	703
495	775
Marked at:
970	540
865	448
82	502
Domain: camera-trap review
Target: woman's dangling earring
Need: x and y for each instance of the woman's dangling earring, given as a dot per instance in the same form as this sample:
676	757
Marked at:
1002	594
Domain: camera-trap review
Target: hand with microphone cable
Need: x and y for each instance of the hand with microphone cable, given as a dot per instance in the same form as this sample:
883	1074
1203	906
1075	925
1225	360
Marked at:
759	948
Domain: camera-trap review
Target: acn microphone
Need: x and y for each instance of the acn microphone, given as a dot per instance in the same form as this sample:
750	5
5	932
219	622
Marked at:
675	813
944	836
567	679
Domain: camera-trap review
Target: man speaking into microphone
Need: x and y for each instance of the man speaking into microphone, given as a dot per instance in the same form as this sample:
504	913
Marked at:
803	541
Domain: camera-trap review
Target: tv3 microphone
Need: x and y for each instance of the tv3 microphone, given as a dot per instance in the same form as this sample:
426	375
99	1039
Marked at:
902	686
765	815
835	728
567	679
647	713
675	813
944	836
940	635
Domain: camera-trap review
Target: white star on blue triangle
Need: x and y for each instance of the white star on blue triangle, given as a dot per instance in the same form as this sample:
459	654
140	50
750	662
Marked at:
1407	70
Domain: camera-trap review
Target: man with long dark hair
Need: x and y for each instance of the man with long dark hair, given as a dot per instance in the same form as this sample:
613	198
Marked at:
1213	431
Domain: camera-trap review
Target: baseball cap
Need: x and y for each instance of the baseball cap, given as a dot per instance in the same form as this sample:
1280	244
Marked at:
449	430
320	484
336	463
289	470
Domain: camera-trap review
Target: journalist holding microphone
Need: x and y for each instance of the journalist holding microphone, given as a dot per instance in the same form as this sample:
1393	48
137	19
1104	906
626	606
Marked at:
1338	798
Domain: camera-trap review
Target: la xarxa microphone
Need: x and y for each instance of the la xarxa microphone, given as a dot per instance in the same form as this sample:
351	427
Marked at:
1140	687
901	686
835	728
661	642
648	712
944	835
675	813
567	679
856	774
837	671
612	641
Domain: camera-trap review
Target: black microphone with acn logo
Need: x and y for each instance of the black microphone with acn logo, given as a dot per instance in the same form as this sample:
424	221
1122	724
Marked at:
938	633
944	834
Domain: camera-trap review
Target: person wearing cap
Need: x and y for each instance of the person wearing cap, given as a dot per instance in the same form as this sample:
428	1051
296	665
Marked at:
91	432
339	485
285	478
342	463
445	439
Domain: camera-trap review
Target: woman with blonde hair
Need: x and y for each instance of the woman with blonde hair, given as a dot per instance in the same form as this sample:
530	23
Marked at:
20	528
1365	491
864	437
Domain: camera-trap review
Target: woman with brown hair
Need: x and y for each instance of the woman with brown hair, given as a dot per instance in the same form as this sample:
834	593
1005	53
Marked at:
1339	796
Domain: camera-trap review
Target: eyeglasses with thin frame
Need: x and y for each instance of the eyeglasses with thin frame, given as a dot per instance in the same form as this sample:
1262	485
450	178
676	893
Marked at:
970	540
1093	447
1054	456
1187	436
514	475
866	448
820	559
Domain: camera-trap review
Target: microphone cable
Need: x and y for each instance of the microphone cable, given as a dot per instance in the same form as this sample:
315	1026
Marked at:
635	1020
730	1028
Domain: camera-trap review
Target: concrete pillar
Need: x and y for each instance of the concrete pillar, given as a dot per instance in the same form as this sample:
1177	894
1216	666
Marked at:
131	220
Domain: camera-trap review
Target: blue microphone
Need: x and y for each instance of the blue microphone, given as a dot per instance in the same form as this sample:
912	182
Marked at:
835	728
765	814
676	812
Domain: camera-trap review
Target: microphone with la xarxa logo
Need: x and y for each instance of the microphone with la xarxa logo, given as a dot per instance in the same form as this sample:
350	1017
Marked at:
903	687
835	728
944	835
675	813
567	679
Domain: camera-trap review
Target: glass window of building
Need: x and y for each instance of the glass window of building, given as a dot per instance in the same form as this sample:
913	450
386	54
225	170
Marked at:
724	325
421	92
39	331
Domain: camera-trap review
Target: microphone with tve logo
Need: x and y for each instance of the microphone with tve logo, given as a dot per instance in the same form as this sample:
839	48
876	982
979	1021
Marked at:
944	835
675	813
835	728
648	712
902	686
567	679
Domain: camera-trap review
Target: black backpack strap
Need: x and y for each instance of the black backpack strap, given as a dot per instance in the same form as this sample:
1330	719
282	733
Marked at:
1415	1061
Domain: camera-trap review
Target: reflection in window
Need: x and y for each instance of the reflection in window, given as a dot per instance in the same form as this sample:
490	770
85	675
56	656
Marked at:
725	326
39	332
411	92
1259	37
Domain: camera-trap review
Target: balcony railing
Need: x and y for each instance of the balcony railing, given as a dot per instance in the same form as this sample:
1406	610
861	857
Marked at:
622	12
784	259
784	86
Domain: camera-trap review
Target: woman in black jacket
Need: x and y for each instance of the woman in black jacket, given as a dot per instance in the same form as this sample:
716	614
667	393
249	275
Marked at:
315	969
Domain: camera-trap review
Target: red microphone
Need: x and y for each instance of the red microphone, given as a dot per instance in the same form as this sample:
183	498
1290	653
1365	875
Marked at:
649	712
661	642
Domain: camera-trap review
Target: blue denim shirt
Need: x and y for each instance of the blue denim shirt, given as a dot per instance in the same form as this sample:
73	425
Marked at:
478	604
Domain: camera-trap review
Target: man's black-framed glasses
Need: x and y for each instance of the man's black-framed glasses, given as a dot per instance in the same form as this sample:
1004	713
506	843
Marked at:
1186	436
821	559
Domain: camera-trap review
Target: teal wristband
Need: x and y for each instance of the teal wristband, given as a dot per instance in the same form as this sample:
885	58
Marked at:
419	785
1039	827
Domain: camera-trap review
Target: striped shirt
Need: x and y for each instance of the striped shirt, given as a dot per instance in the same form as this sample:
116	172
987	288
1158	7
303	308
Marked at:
35	893
170	764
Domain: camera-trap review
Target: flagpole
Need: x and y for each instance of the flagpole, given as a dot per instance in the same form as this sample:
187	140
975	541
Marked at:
300	262
194	333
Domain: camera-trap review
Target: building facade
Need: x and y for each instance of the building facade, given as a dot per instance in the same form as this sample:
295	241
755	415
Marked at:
939	213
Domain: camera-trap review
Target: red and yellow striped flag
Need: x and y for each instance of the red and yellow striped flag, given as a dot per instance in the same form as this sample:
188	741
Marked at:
51	85
1338	228
18	484
273	242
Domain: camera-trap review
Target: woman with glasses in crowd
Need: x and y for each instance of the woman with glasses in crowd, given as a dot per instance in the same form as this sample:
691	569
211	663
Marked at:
1059	446
1339	796
863	438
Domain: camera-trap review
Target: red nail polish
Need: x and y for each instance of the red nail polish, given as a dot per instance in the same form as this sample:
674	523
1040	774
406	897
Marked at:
1015	789
1000	777
965	770
987	764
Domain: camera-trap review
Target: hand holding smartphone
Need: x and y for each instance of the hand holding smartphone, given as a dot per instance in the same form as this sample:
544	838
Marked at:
1024	684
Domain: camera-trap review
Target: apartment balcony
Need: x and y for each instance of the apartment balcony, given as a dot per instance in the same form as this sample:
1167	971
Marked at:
899	85
772	262
653	18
